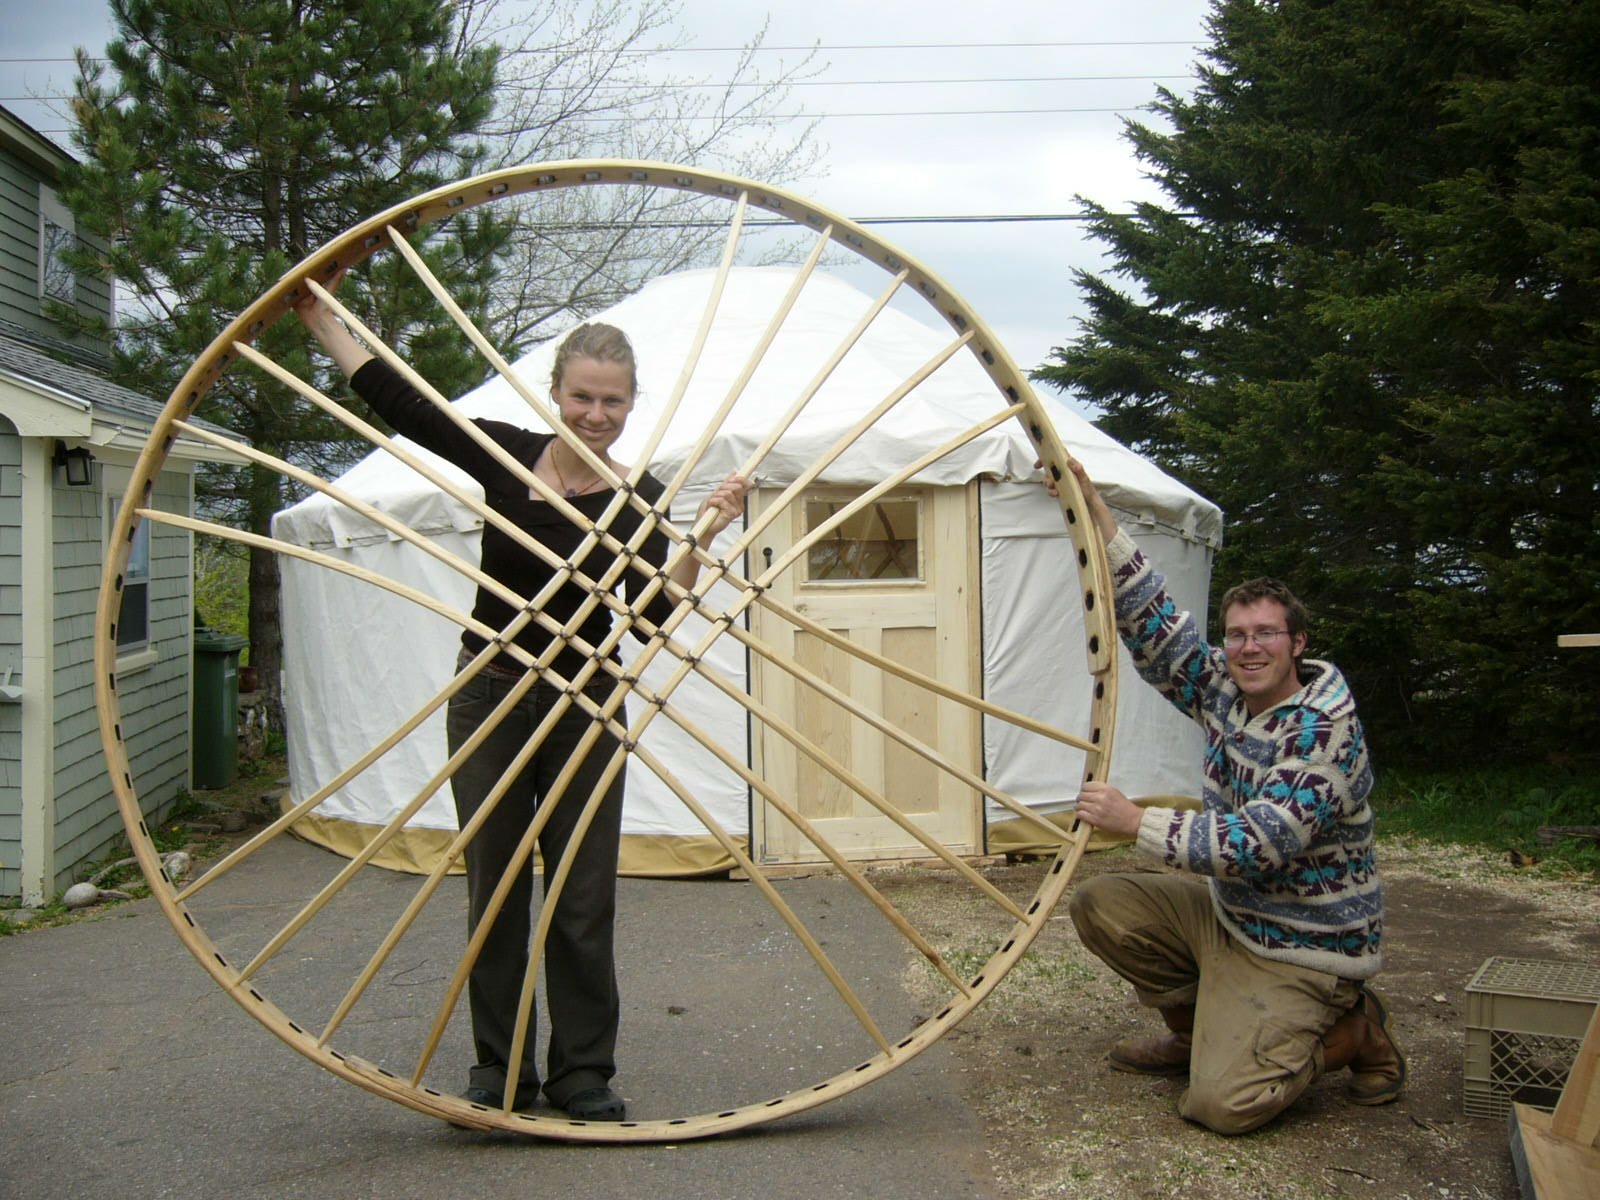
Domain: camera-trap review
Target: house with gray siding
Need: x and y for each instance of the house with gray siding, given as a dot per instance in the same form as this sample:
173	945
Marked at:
69	438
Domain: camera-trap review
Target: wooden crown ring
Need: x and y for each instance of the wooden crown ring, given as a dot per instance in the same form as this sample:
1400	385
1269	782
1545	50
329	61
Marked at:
402	1072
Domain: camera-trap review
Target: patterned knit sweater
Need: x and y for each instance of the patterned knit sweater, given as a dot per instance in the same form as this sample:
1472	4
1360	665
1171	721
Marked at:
1285	832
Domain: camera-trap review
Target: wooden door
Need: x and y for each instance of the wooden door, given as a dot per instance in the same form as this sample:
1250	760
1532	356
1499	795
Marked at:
898	579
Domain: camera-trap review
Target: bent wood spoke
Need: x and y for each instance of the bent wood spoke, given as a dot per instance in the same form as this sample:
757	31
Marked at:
404	591
697	346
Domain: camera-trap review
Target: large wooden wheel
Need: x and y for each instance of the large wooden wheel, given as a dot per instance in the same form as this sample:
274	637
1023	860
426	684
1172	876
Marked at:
409	1074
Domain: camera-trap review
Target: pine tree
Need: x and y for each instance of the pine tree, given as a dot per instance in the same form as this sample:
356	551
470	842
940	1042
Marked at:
1365	327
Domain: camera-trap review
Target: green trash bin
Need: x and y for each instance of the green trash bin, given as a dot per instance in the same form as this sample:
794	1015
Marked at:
216	707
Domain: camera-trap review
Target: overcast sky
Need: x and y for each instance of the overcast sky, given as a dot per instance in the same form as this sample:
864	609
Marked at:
1010	143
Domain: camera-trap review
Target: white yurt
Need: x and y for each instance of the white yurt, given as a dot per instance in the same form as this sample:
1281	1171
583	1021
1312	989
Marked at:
965	573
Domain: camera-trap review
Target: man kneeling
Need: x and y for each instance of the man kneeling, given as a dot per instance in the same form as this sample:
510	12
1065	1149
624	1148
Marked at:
1258	966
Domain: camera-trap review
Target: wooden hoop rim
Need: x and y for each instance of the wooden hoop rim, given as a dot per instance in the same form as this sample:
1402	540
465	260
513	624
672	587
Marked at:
355	246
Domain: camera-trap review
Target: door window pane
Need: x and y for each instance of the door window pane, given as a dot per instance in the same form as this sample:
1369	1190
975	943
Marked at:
880	543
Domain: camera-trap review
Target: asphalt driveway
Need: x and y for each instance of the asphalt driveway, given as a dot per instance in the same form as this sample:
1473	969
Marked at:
126	1072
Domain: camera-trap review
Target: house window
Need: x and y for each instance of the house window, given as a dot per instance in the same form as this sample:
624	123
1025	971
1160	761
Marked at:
881	543
57	235
133	619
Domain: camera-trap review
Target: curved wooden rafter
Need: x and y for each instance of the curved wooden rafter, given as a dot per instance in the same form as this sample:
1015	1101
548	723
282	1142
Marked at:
389	229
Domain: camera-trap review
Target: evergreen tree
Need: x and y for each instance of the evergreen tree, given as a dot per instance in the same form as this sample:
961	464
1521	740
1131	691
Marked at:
230	140
1365	327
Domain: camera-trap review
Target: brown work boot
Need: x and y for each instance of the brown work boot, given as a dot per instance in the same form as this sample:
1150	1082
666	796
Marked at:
1164	1054
1361	1041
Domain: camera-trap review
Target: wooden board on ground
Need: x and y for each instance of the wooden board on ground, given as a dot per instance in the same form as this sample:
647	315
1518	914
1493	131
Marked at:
1557	1155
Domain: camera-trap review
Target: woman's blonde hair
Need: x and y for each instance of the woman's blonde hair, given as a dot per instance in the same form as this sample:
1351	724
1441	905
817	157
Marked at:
603	343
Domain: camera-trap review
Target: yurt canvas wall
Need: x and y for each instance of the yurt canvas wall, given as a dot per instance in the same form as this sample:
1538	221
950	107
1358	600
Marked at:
361	662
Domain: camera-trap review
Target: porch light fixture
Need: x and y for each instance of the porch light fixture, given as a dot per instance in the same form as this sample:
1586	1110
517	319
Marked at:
78	463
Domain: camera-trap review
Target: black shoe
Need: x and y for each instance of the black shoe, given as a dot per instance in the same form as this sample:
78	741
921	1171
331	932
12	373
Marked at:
596	1104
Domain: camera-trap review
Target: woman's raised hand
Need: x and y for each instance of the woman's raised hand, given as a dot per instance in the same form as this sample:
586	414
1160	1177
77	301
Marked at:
725	504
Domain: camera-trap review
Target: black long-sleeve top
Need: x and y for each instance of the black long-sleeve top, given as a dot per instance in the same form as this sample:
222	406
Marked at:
413	415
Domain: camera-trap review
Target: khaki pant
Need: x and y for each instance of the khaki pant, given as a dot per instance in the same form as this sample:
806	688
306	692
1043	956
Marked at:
1258	1023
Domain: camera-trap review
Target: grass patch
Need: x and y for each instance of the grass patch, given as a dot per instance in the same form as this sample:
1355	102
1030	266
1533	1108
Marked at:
1498	810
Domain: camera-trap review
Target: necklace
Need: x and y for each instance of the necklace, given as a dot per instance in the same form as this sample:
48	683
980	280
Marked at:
565	487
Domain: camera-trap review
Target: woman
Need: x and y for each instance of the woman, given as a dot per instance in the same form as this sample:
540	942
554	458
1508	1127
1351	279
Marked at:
593	384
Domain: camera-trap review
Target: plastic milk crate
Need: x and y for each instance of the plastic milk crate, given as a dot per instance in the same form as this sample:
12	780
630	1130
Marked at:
1525	1021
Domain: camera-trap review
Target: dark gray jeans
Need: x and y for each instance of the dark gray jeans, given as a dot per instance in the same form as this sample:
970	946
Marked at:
580	975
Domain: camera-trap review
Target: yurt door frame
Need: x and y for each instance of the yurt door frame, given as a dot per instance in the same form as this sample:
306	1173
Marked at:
900	579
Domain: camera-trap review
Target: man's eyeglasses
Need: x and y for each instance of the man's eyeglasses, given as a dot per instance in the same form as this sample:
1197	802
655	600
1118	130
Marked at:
1265	638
